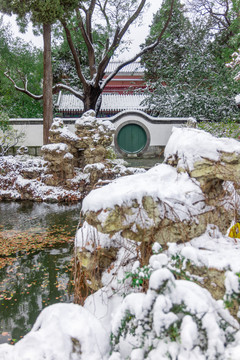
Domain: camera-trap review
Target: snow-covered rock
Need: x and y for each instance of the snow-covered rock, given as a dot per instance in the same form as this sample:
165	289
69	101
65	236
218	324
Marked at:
72	164
208	159
164	205
61	332
157	266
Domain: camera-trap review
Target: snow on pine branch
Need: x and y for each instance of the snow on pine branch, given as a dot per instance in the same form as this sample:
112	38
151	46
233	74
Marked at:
235	63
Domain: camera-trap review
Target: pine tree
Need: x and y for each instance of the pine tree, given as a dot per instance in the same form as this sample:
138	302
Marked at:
41	13
183	74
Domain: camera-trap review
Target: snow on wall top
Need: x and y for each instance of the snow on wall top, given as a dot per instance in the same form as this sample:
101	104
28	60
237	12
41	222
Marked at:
110	102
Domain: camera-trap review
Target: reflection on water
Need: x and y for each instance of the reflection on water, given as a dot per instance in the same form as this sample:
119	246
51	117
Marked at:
26	214
36	279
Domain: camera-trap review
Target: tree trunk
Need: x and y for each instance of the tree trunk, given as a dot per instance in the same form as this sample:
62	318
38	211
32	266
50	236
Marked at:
47	83
91	98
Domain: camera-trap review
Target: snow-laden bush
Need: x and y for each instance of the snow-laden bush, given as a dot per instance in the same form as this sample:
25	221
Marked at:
235	64
226	128
173	101
175	319
9	137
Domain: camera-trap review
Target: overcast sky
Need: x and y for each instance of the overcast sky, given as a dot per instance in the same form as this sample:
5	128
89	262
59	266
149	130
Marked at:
137	35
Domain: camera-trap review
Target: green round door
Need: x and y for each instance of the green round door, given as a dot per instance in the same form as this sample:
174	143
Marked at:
132	138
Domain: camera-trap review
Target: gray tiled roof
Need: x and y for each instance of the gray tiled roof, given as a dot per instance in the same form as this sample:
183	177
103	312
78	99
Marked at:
133	68
110	102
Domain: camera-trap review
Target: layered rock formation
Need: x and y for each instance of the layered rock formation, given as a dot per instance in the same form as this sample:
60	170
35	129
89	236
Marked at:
68	151
172	203
72	165
211	161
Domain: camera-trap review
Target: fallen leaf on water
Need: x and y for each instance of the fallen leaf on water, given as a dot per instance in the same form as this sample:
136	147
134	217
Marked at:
5	333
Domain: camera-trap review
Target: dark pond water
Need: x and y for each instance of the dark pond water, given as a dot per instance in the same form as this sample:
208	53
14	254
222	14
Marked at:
144	163
37	278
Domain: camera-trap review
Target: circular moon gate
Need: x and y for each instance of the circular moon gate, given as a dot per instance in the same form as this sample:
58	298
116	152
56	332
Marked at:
132	138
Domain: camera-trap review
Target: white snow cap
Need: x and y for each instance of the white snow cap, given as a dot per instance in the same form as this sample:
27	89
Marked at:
52	334
161	182
59	147
192	145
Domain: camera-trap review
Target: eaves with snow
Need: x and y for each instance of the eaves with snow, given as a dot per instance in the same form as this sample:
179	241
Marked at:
111	103
132	68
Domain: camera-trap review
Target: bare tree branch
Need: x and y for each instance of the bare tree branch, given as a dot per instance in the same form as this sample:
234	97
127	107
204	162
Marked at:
60	86
55	88
106	59
143	51
24	89
219	11
131	19
89	19
88	42
103	10
74	53
119	33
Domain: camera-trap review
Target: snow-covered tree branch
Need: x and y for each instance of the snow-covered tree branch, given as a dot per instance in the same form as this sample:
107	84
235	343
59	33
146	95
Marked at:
25	88
102	42
93	34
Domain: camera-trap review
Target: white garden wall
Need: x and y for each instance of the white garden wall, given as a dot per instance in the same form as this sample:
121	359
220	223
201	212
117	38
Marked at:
158	130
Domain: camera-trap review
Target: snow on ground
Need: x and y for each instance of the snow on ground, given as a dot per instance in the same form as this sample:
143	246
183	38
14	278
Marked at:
61	332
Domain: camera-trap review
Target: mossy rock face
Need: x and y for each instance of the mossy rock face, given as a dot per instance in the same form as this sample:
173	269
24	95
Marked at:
93	264
114	220
213	279
210	174
151	208
95	155
145	222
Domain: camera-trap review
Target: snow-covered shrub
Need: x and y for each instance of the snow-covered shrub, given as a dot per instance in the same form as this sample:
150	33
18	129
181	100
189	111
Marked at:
175	102
139	276
232	285
111	155
235	64
8	136
226	128
176	319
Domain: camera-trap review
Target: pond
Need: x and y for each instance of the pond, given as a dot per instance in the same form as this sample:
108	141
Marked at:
145	163
34	278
